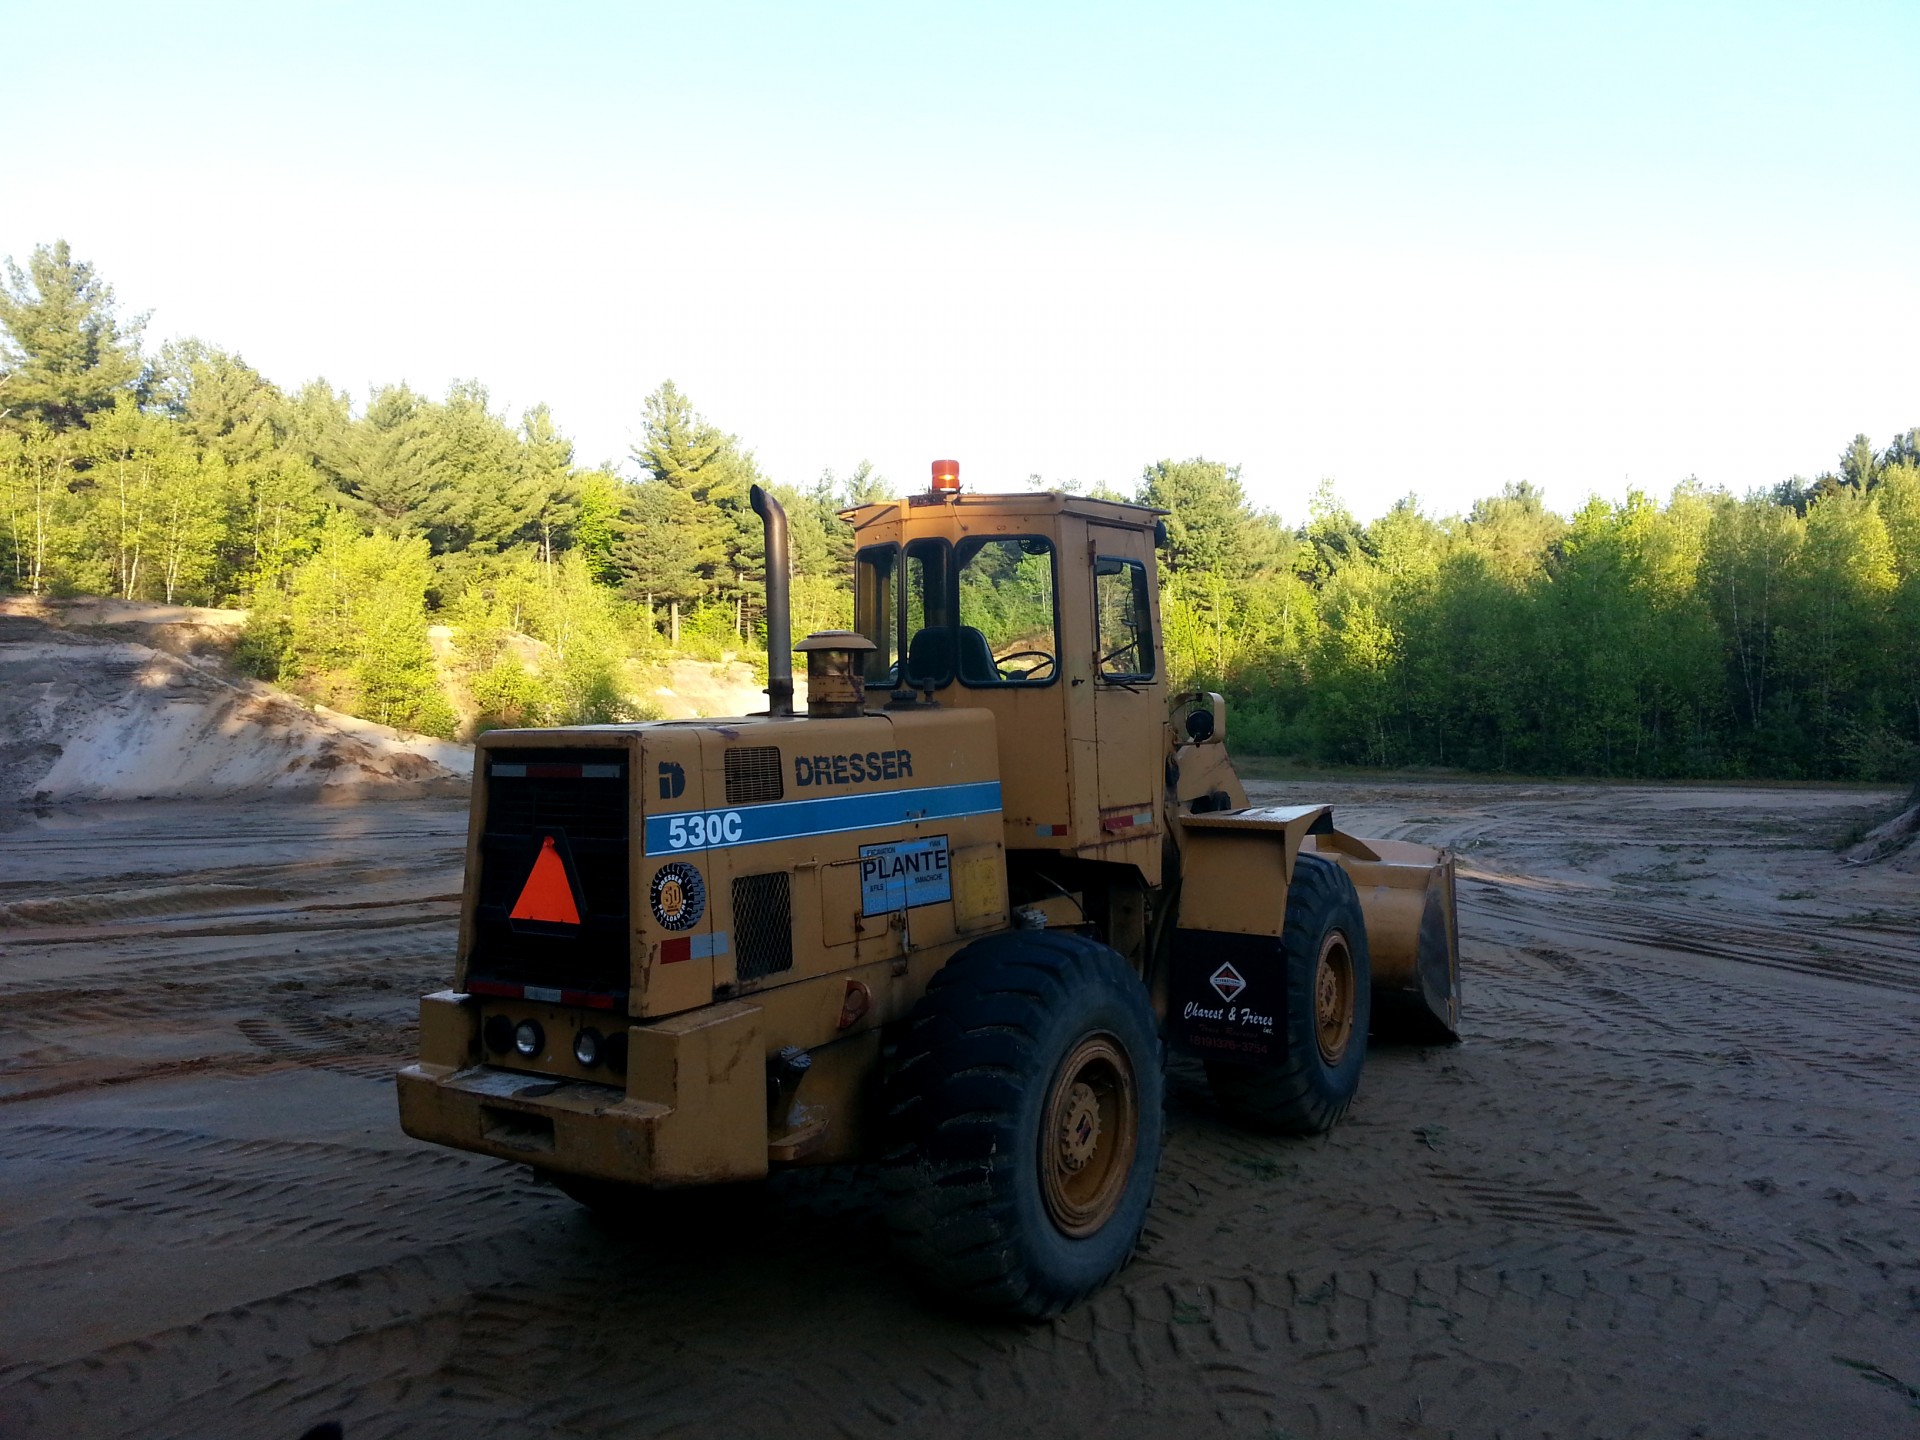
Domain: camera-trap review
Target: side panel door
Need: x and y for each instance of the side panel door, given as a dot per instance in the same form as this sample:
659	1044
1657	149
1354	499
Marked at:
1128	686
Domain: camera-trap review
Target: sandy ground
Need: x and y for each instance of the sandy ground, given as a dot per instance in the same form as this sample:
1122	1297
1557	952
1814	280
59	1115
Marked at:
1669	1185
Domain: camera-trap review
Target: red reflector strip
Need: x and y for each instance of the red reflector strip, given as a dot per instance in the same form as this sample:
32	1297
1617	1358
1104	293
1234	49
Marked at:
1135	821
554	771
678	948
1048	831
586	999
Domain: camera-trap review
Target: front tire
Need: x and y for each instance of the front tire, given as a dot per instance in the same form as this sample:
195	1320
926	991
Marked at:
1328	1006
1023	1123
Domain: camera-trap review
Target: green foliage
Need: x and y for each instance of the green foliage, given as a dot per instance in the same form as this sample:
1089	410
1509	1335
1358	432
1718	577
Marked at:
356	635
506	695
1777	634
596	500
66	355
580	621
1006	593
1207	523
1713	636
36	469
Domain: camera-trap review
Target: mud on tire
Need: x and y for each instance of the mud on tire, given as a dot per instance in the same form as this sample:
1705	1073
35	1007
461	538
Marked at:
1022	1123
1327	1011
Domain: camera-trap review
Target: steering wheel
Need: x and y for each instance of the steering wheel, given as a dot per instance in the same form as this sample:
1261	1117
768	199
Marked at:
1043	667
1112	655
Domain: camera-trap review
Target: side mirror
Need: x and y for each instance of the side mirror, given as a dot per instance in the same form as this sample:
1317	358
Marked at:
1159	534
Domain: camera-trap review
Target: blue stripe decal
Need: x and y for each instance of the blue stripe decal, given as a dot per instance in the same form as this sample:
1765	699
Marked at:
794	819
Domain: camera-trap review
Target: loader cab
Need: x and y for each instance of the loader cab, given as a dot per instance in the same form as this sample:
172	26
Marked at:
1042	609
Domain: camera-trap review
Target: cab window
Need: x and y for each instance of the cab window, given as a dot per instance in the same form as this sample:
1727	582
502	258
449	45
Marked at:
1123	637
874	608
1007	629
926	614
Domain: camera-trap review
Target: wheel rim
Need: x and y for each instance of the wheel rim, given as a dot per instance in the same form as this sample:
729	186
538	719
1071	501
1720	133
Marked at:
1333	998
1088	1136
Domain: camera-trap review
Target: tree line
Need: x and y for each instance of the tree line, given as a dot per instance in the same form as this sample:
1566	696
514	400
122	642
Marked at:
1771	634
185	476
1775	634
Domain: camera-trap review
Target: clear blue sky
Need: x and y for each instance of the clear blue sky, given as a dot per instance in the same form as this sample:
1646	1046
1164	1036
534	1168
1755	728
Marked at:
1411	247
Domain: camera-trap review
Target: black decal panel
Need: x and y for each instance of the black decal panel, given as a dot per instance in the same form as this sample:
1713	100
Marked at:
1229	995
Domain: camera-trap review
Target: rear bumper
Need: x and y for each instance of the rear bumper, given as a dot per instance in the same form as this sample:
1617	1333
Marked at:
558	1125
694	1110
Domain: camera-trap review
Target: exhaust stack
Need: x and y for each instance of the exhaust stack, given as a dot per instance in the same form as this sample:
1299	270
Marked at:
773	519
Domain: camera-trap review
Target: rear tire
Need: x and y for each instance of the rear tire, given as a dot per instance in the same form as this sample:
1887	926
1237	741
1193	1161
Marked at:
1329	1000
1023	1123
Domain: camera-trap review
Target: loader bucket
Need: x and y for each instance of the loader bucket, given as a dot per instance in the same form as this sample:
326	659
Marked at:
1413	937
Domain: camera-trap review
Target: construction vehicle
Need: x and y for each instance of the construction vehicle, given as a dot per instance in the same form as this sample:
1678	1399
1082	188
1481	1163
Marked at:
946	919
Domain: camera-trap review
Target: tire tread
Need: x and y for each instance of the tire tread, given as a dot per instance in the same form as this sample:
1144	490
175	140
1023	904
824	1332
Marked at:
983	1019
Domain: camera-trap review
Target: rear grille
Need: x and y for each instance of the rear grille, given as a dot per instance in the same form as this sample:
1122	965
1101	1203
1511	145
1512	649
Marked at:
753	773
578	799
585	809
762	925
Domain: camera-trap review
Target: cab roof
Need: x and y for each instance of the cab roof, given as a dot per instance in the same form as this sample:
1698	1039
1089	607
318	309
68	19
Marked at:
1043	502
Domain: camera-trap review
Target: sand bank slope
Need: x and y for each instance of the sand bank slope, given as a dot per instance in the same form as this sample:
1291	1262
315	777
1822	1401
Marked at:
99	716
1896	843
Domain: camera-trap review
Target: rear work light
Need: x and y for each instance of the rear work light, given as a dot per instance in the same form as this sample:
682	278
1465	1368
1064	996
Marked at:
529	1039
586	1048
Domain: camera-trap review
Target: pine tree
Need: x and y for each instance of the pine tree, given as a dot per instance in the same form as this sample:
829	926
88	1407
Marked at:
1208	516
66	354
481	496
393	462
545	482
689	534
221	402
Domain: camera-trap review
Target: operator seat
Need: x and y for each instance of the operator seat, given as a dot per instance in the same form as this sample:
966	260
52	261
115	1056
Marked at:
930	657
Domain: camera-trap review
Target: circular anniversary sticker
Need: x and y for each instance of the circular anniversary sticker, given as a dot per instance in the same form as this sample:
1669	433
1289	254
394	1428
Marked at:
679	896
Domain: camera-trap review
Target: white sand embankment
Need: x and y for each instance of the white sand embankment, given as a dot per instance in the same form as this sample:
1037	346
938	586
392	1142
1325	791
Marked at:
95	715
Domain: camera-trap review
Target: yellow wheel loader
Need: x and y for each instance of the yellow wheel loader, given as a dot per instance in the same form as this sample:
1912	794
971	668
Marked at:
945	920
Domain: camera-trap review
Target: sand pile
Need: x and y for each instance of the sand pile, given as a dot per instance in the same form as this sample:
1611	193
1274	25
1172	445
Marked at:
692	689
137	705
1896	843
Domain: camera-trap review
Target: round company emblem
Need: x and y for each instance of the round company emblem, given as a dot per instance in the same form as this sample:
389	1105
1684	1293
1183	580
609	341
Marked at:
679	896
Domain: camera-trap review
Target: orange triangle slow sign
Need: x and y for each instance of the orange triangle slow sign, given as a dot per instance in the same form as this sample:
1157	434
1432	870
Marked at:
547	895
